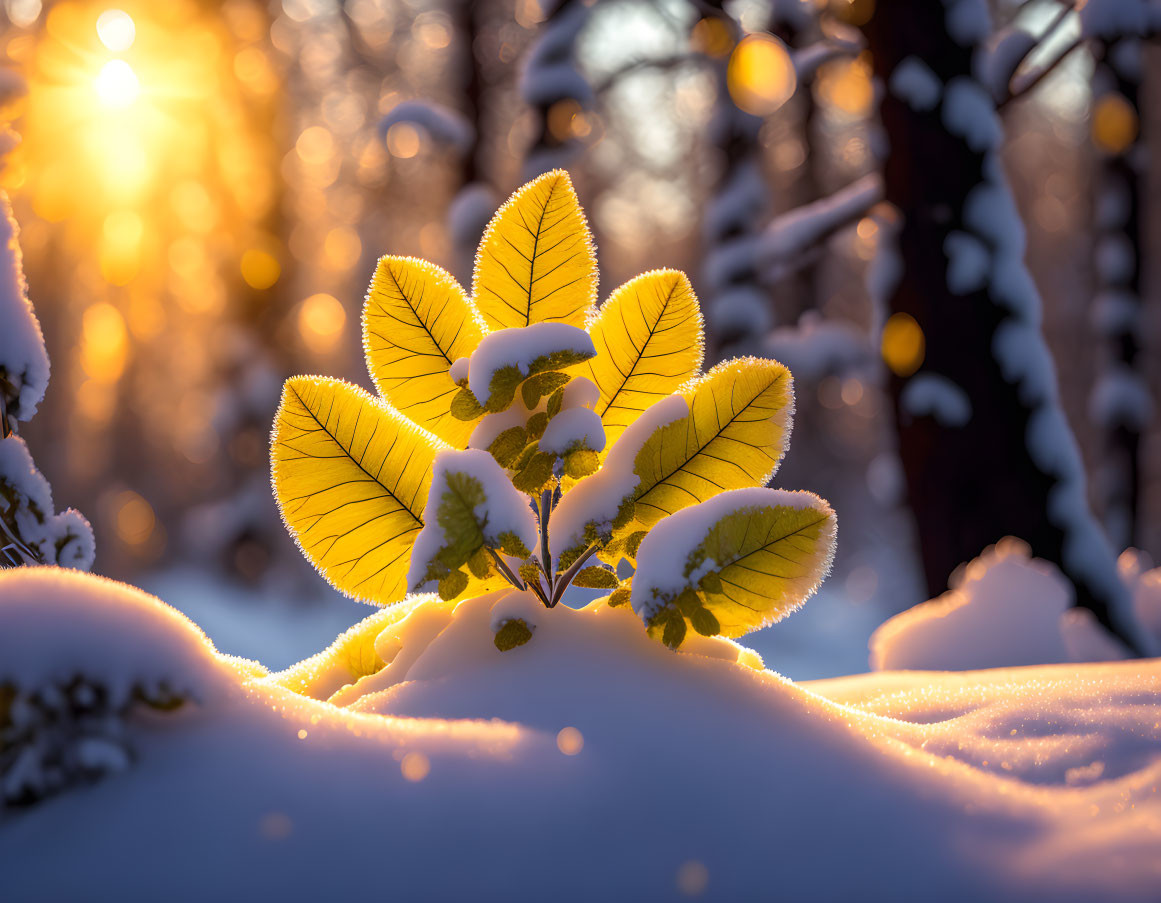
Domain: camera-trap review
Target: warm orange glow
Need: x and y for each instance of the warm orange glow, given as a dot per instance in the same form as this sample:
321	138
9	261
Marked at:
570	741
402	140
116	30
104	342
415	766
846	85
117	84
711	37
1114	124
342	247
903	344
260	269
321	319
761	75
134	519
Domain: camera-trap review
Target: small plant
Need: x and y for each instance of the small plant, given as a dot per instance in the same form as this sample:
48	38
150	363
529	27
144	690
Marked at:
523	437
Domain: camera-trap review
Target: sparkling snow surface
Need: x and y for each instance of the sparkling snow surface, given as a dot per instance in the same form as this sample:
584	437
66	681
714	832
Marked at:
593	763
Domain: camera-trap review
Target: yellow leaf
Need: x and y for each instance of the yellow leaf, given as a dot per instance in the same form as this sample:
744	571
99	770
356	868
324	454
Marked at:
737	563
351	476
733	437
536	262
648	337
417	322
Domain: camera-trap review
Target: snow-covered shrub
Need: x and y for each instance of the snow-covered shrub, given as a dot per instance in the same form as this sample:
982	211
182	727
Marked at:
522	432
79	657
30	531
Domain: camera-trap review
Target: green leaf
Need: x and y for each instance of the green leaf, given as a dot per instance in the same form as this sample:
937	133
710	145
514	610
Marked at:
536	387
595	577
506	447
674	633
464	406
555	400
480	564
621	595
525	456
503	388
705	623
456	514
511	544
536	424
452	585
581	462
633	543
536	473
512	634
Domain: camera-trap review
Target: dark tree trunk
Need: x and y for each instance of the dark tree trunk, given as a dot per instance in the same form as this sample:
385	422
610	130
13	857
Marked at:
1011	467
1120	400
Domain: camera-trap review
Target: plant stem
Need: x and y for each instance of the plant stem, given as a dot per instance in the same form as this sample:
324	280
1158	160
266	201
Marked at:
545	514
506	571
566	578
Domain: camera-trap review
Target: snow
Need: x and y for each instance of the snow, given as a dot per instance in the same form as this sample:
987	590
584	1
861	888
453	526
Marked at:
968	263
492	425
968	21
23	360
1120	397
597	498
59	624
580	393
502	510
443	125
913	82
1006	50
572	429
65	538
1112	19
458	371
1009	609
1145	585
520	347
969	113
930	394
1005	785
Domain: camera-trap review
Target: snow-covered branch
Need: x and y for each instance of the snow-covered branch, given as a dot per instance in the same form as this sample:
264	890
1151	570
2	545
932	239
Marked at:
444	125
798	230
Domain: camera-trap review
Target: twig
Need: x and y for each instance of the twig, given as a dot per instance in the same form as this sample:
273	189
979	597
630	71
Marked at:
662	63
566	578
1027	84
506	571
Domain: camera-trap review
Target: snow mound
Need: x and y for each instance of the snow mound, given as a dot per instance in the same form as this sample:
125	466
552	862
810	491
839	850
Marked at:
57	625
642	765
1009	609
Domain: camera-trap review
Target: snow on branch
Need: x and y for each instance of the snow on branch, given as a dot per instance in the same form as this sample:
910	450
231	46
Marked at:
445	126
798	230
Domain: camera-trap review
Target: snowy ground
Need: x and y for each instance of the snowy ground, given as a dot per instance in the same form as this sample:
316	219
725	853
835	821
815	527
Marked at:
590	763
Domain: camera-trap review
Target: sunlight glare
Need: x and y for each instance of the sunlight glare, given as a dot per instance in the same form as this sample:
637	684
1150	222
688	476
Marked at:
761	75
903	344
321	319
117	84
116	30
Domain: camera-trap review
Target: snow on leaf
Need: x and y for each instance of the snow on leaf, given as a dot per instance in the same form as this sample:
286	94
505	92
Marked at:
733	436
507	357
648	338
417	322
472	511
746	558
536	262
351	477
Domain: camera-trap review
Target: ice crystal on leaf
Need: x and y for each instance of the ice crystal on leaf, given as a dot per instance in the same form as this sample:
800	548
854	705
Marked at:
524	439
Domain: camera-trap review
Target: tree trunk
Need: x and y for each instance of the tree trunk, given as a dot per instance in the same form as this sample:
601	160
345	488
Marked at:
984	444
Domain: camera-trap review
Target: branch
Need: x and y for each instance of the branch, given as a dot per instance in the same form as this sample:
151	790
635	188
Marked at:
663	63
1021	86
566	578
506	571
808	60
793	233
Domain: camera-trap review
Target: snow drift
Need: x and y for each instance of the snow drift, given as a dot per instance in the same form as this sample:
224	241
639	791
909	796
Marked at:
589	763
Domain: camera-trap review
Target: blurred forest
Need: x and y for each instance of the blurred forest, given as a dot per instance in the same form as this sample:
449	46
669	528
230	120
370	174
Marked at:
203	189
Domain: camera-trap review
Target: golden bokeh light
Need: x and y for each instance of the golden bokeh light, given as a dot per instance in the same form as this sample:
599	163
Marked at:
761	76
692	878
711	36
116	30
117	85
342	248
903	345
104	342
1114	124
847	86
260	269
415	766
403	140
134	518
570	741
321	319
